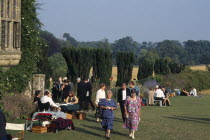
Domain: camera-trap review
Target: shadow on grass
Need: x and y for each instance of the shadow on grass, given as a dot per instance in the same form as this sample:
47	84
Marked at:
112	132
81	130
190	119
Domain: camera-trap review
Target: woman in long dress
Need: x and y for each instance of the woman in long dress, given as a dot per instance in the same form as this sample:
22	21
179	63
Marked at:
151	96
108	106
132	113
99	95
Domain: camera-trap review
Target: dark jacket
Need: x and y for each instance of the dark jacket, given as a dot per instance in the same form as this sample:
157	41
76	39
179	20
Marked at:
119	95
80	89
2	125
66	90
88	87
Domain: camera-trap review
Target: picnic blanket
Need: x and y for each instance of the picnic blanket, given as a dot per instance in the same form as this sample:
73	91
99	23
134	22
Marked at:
61	124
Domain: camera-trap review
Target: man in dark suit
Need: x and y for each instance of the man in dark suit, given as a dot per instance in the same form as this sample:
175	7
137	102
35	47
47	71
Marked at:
121	98
88	95
81	93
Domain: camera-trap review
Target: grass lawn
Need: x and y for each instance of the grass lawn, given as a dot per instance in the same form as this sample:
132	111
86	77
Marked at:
187	119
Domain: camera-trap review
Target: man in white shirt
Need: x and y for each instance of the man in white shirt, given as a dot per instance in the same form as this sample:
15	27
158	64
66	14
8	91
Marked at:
159	95
47	99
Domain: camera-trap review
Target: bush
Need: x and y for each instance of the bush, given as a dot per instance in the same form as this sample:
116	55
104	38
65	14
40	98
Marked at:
189	79
17	106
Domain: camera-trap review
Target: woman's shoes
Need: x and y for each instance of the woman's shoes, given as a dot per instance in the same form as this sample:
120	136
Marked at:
97	120
130	135
108	138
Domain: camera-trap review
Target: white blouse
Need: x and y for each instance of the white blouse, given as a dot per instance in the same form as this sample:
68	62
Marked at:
100	95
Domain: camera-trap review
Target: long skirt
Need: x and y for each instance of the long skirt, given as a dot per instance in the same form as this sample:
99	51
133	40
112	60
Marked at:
132	121
98	113
107	123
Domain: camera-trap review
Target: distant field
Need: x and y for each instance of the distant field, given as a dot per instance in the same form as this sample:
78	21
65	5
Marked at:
135	71
134	74
202	68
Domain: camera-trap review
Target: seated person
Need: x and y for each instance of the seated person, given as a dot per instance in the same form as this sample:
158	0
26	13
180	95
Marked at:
72	99
166	100
47	99
37	100
193	92
184	92
159	95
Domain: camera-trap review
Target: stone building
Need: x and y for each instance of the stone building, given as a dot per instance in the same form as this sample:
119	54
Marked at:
10	32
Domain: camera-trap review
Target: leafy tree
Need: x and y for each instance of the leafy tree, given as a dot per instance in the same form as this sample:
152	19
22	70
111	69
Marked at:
127	44
54	44
58	66
198	52
172	49
125	61
72	41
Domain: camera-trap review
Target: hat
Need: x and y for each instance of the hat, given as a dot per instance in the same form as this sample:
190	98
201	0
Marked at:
133	91
157	86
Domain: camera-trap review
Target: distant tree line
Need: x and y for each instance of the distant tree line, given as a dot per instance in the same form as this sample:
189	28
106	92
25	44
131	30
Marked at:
189	52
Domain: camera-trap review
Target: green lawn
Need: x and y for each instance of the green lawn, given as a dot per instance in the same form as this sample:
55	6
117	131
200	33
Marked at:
187	119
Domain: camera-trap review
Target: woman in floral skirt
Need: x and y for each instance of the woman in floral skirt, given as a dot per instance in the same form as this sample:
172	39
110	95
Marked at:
132	112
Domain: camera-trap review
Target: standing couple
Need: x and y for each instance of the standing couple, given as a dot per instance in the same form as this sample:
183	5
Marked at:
84	93
130	108
130	105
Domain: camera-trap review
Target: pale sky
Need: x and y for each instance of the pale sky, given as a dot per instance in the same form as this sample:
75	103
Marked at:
144	20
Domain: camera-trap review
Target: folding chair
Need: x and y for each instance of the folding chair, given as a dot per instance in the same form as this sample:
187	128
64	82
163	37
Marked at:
19	127
29	123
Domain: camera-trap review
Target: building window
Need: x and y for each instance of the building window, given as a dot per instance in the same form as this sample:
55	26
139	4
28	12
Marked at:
2	8
3	34
14	9
16	35
8	33
8	8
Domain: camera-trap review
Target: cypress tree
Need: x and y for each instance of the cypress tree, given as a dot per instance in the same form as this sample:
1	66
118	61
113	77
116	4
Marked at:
79	62
146	69
162	67
102	65
125	63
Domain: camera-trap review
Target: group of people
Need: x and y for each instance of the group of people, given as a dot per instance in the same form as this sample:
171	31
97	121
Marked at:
193	92
159	93
61	89
128	101
130	105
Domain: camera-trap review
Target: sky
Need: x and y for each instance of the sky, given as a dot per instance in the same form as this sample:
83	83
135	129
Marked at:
144	20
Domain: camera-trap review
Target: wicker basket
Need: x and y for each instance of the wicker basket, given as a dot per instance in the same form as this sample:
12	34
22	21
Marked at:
81	116
39	129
